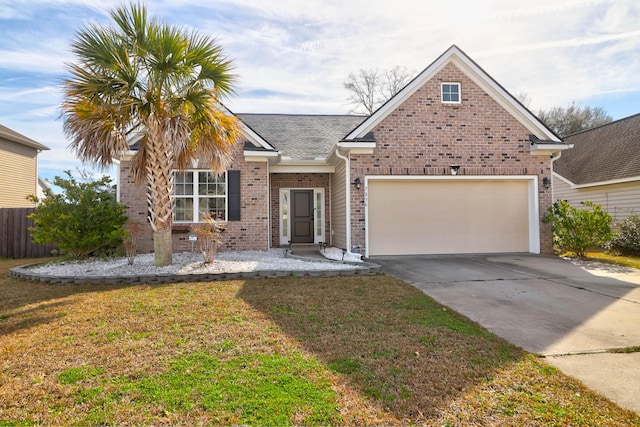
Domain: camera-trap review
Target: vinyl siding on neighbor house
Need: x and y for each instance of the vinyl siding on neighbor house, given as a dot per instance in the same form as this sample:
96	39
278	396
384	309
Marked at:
338	206
18	164
620	200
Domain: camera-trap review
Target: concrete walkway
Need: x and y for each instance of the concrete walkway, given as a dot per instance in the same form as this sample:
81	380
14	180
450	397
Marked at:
571	314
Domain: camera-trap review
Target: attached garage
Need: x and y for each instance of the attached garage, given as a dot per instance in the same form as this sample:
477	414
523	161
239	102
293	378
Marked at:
446	215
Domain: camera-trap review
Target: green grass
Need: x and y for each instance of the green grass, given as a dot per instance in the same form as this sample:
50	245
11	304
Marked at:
623	261
259	390
74	375
342	351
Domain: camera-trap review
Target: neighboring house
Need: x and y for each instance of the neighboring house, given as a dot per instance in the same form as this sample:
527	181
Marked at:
18	168
41	189
603	166
451	164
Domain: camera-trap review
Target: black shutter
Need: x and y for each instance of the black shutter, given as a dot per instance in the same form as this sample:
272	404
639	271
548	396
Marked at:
233	177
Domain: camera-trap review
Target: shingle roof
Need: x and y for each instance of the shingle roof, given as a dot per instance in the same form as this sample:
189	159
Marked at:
302	137
14	136
608	152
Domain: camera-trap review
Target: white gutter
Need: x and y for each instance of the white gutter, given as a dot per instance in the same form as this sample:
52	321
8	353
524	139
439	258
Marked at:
553	159
269	240
347	174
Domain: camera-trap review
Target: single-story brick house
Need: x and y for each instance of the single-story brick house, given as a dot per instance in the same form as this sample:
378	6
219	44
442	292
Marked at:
603	166
451	164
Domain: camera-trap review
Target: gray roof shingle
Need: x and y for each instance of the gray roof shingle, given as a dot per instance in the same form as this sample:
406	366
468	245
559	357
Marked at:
608	152
302	137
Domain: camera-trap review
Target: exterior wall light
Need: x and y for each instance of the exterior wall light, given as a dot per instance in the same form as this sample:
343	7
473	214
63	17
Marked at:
357	182
546	181
454	169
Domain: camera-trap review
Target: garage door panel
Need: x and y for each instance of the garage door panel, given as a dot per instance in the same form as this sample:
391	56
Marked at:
437	217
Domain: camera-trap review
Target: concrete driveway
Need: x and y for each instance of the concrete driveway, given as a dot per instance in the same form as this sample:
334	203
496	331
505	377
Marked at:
568	312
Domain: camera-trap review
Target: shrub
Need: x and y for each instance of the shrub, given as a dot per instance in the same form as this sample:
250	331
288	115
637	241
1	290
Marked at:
83	219
209	236
578	229
132	230
627	238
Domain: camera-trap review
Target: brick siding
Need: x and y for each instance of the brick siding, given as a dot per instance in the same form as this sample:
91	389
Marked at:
424	137
296	180
250	233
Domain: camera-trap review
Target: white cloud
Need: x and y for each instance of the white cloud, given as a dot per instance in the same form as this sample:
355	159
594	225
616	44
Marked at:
293	56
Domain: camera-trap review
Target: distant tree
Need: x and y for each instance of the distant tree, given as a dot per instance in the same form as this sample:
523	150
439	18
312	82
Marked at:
574	118
524	99
372	88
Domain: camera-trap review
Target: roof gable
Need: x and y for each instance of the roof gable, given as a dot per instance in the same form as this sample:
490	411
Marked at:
457	57
610	152
14	136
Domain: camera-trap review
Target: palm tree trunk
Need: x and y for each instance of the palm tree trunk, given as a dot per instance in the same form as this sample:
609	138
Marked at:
160	181
162	246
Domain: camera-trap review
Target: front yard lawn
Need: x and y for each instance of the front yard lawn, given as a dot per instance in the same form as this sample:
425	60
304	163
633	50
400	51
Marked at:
621	260
312	351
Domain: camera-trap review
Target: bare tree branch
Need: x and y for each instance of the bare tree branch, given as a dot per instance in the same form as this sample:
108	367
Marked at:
372	88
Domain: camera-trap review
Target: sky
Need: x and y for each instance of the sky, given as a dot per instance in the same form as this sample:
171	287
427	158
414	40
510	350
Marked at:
293	56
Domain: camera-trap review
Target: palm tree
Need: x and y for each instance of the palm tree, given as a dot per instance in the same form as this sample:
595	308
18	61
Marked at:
159	85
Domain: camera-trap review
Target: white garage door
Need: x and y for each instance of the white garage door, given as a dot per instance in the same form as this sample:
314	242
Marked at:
447	216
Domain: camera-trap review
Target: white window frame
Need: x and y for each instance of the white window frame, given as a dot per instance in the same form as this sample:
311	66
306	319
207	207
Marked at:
285	209
442	92
196	196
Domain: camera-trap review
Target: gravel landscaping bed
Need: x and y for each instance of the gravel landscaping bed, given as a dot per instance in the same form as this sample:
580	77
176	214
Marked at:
189	266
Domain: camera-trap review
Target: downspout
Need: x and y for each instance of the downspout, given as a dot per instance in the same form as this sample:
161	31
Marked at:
117	162
347	175
270	212
553	159
329	213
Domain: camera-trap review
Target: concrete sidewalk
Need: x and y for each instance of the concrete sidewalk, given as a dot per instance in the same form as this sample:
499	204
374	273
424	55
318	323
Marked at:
569	313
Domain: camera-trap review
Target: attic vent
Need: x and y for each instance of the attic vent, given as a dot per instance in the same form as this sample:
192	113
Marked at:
450	93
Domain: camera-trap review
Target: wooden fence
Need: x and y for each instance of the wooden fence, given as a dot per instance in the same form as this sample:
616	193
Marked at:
15	239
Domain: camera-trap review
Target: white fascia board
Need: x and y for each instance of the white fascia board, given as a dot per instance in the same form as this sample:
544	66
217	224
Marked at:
23	140
124	155
548	149
562	178
386	109
250	154
502	97
302	168
598	184
254	137
349	145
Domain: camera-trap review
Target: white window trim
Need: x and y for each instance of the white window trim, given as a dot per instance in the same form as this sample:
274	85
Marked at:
195	196
459	92
317	238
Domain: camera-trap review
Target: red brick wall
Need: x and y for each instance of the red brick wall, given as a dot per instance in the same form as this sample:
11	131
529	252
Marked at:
250	233
296	180
424	137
